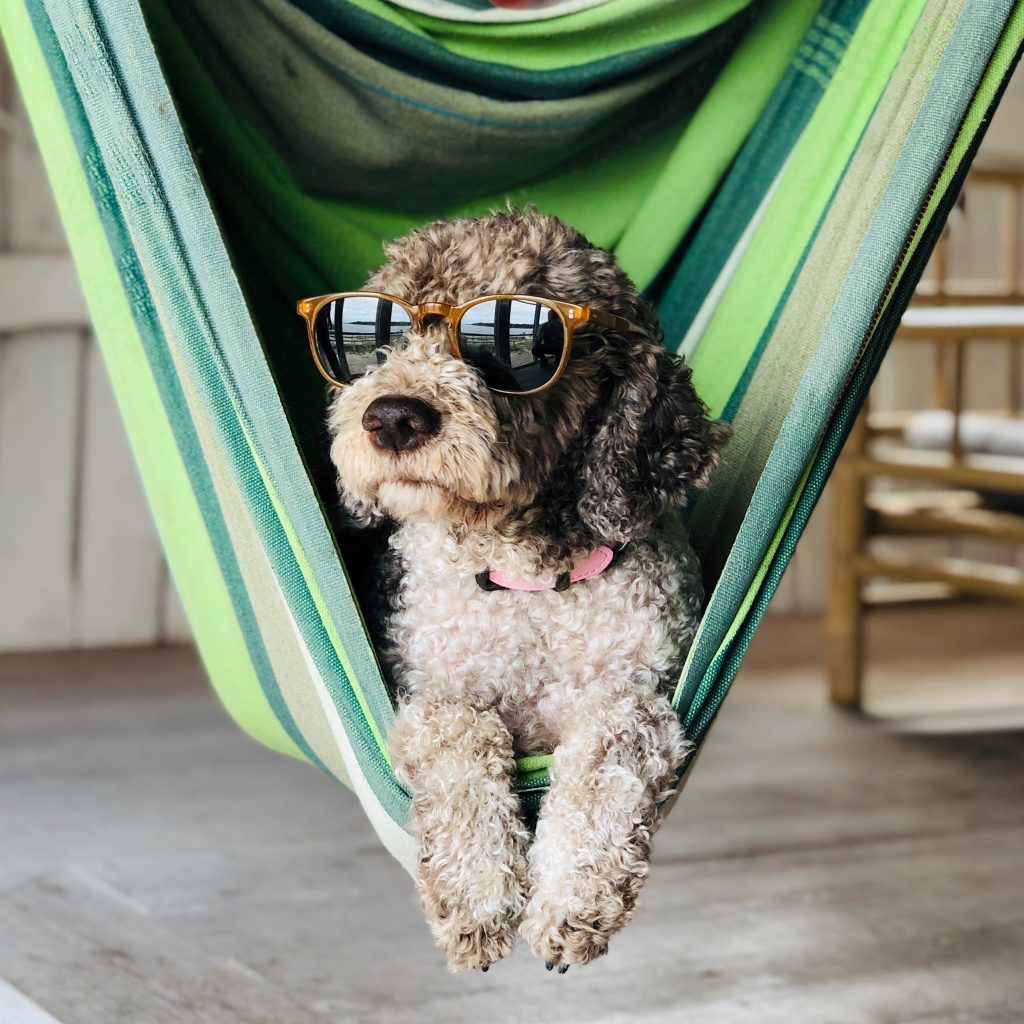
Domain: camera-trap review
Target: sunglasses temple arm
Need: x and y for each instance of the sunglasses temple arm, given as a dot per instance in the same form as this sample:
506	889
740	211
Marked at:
617	323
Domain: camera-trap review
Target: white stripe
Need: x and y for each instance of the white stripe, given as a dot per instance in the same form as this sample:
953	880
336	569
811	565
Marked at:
396	840
497	15
17	1008
707	310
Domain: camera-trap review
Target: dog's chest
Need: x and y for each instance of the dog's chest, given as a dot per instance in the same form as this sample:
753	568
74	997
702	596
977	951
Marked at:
531	653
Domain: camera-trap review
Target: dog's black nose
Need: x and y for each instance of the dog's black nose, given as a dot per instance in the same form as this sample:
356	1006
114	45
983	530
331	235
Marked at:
399	423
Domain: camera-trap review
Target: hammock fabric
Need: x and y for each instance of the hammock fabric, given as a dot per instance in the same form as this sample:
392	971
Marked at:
774	173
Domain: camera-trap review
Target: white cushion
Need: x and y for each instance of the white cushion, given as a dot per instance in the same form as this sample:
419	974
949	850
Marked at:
980	433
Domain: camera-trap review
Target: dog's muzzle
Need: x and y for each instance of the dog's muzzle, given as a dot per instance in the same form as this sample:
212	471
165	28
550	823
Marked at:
399	423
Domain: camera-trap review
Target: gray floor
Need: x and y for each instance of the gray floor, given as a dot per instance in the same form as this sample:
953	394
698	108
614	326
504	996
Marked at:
157	866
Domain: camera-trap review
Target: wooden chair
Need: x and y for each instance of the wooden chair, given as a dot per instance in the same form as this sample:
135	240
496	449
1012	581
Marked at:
935	493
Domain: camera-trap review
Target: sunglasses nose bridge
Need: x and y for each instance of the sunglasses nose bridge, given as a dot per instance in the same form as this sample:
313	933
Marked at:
435	314
432	310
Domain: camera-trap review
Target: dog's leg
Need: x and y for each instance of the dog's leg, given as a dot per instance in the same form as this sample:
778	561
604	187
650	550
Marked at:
617	760
458	762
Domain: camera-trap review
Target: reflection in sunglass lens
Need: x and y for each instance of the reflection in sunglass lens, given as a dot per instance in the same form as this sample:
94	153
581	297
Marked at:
515	345
349	333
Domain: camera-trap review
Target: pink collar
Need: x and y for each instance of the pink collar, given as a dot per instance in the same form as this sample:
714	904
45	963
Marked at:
593	565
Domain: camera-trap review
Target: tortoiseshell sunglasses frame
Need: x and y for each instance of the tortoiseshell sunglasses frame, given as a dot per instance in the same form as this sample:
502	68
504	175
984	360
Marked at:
571	315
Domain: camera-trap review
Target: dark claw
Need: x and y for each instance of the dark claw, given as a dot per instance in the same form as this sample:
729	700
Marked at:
485	968
549	965
563	968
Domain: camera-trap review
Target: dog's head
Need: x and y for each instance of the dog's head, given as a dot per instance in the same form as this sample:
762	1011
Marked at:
594	459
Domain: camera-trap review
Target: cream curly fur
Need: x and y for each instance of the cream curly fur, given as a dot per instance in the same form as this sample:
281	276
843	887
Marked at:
530	486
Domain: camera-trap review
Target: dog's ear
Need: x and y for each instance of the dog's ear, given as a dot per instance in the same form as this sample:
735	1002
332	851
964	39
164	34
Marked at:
651	444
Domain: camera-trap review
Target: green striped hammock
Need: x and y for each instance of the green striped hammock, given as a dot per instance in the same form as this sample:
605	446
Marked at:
774	173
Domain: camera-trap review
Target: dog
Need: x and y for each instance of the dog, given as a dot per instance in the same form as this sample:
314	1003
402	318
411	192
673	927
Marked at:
483	486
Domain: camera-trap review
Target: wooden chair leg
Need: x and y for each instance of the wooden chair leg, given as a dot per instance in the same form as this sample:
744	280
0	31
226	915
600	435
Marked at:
844	633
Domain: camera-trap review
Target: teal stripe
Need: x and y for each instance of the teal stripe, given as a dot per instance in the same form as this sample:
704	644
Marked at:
164	373
391	796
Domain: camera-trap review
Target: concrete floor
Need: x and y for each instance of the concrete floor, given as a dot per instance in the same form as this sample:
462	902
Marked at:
157	866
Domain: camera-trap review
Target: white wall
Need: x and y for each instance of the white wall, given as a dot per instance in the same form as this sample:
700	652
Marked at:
80	564
79	561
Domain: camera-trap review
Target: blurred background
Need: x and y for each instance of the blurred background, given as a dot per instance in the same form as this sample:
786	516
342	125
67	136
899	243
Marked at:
142	839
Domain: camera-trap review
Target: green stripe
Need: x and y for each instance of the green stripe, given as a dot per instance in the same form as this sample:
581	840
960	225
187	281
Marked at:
272	617
758	496
382	715
222	347
693	691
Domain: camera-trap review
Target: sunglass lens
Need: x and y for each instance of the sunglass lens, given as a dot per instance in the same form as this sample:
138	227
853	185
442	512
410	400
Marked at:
515	345
350	332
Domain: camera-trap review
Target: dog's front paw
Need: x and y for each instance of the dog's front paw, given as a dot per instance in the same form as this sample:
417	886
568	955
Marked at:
474	901
575	927
561	941
475	932
468	945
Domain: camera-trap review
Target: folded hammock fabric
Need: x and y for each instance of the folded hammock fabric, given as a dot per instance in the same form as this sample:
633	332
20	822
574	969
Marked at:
774	173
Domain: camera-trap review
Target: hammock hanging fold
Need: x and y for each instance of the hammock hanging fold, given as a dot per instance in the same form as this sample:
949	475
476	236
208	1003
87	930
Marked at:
774	173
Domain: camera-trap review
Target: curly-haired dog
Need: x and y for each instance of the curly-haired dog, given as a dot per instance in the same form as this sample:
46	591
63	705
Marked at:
482	484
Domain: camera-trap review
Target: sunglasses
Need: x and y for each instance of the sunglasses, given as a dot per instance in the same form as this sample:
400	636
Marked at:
519	344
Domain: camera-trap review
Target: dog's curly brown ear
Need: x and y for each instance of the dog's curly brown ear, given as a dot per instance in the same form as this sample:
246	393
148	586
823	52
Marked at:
654	443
